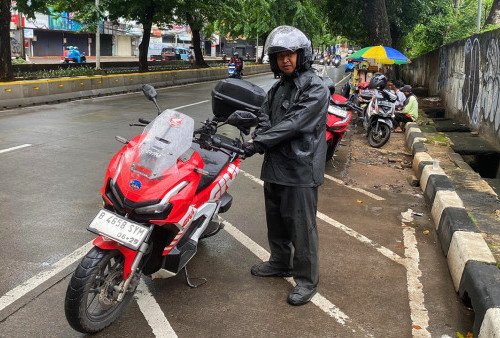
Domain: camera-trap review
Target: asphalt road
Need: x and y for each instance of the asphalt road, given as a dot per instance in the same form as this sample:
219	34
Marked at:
378	277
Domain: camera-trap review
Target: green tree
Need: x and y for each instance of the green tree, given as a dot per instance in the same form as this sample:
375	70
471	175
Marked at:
28	8
257	18
197	14
145	12
5	60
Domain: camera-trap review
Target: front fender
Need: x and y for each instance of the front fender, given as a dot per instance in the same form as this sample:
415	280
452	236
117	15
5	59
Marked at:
385	121
128	254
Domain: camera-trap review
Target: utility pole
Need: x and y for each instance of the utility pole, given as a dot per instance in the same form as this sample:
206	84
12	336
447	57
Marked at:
479	7
97	40
257	49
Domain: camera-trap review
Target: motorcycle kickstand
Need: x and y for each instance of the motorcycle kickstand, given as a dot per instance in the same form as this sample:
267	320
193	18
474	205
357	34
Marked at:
189	280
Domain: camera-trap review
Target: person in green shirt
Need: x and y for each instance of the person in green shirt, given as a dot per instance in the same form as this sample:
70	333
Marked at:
409	113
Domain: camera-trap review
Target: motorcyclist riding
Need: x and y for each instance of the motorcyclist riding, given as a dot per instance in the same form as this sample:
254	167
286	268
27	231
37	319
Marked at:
291	134
237	61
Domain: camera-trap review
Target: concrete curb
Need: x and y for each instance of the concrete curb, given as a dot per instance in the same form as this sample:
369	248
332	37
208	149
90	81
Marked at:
470	261
44	91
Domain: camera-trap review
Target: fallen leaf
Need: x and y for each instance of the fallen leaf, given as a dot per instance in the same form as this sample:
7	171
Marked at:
417	327
359	201
470	335
425	232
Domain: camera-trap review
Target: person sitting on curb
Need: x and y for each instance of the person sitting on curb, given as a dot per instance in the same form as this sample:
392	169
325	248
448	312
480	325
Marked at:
409	113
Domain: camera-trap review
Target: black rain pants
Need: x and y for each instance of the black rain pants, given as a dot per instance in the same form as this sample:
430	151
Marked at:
292	233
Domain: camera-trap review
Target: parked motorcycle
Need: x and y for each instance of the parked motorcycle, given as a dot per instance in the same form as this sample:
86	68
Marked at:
162	193
338	119
379	115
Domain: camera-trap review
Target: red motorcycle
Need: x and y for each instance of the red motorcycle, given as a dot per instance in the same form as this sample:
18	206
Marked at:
162	193
338	119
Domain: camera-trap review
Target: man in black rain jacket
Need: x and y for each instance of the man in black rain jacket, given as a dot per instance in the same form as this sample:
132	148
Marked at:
291	134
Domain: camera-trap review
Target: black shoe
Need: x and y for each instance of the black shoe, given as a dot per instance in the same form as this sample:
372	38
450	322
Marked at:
300	295
265	269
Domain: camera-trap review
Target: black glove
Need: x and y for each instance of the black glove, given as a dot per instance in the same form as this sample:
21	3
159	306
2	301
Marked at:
249	149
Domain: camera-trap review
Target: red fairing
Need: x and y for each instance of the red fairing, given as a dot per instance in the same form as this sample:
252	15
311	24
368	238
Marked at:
127	253
338	99
221	183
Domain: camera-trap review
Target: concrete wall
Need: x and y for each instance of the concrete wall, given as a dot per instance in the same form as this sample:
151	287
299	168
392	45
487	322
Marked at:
25	93
466	75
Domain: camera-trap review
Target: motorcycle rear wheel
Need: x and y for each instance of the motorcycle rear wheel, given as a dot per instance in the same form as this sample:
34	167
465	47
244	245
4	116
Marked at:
90	303
377	138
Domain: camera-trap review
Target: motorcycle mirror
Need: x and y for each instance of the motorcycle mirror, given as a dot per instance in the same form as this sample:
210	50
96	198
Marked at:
243	119
150	92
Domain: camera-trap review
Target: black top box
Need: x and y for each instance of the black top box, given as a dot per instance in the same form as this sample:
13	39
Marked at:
231	94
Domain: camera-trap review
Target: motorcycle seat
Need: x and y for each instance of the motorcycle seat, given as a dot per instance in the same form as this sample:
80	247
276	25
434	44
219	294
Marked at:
215	161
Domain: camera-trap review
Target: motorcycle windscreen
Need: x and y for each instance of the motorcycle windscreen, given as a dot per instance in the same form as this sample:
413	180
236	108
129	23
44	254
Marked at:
164	140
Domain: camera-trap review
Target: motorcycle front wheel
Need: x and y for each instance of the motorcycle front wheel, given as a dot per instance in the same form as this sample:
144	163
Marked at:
90	303
330	150
377	137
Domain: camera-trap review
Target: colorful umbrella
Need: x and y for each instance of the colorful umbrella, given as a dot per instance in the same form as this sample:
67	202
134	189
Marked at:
382	54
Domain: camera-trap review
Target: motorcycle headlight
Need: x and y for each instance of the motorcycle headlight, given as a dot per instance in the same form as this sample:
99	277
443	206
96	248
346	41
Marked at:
159	207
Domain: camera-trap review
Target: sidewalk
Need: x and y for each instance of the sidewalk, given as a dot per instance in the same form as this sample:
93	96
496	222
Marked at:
465	208
480	195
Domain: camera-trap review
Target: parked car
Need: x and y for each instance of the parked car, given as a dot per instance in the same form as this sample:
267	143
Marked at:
182	53
168	54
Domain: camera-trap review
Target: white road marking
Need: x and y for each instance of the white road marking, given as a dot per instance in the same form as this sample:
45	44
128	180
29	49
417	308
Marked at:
320	301
189	105
367	193
15	148
21	290
383	250
418	312
153	313
363	239
342	80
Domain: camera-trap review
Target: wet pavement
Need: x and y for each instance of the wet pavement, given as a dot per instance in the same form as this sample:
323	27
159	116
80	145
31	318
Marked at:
382	272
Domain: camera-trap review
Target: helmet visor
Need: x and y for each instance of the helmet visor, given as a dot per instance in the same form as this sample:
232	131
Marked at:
286	38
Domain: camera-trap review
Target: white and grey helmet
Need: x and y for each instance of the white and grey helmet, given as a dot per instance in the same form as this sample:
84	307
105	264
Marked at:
288	38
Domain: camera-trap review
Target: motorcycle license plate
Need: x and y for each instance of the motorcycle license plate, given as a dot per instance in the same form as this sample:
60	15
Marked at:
120	229
336	111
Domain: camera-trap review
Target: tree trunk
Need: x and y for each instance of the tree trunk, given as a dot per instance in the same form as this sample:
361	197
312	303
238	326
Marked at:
5	59
146	35
198	55
494	16
195	30
377	23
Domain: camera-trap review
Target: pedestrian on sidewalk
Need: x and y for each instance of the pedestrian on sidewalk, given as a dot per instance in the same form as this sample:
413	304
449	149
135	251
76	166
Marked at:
291	134
410	109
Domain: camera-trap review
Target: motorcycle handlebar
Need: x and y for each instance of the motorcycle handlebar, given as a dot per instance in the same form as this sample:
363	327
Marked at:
218	143
144	121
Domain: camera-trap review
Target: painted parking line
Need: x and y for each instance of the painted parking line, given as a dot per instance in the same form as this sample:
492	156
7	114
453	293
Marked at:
15	148
383	250
153	313
367	193
147	304
418	312
320	301
189	105
21	290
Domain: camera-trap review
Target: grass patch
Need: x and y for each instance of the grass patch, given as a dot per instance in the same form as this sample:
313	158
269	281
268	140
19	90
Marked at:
438	139
471	215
